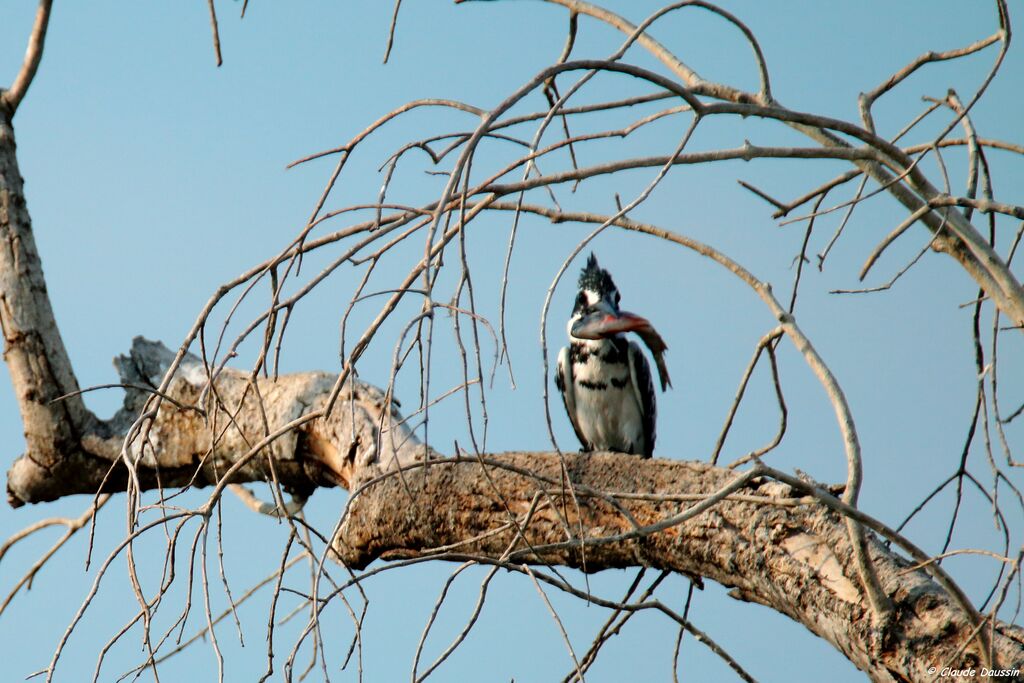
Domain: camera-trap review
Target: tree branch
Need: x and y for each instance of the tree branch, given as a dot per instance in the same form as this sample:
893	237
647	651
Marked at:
797	560
33	349
11	98
184	446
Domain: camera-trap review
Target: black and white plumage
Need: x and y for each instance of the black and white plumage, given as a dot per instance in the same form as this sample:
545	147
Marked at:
604	378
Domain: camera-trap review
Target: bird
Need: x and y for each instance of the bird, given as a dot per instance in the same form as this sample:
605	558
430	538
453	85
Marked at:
604	378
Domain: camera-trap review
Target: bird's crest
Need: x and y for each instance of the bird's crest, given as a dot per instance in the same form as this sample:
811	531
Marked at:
595	278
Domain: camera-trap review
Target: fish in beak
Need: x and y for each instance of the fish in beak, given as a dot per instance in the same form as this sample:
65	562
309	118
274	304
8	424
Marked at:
604	319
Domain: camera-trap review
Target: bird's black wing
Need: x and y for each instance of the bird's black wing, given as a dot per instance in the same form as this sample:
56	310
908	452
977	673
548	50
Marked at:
643	387
566	386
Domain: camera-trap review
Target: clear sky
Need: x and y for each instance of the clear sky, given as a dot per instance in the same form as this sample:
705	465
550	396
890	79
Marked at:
152	177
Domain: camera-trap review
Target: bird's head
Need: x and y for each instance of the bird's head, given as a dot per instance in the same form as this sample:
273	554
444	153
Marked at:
596	314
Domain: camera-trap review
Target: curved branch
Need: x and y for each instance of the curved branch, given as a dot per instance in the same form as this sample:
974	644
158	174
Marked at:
11	98
868	99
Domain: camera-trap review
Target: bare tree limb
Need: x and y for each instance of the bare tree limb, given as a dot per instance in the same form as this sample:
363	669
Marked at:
216	32
11	98
725	542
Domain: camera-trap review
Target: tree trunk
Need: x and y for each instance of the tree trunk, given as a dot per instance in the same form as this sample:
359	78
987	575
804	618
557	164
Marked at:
767	543
33	350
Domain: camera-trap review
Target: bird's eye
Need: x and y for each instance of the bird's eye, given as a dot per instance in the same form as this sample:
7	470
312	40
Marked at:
581	300
618	298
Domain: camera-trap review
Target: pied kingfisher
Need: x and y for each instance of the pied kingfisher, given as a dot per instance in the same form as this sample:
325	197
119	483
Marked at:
604	378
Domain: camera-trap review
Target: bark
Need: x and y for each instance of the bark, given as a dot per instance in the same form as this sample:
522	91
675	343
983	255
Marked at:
33	350
793	556
197	435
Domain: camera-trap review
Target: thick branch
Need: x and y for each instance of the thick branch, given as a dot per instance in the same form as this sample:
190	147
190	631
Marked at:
794	558
33	349
198	434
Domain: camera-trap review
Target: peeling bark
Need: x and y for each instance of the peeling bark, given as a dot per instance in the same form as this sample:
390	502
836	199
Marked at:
785	552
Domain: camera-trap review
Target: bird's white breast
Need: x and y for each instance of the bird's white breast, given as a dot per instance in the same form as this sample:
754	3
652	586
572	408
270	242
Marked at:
609	417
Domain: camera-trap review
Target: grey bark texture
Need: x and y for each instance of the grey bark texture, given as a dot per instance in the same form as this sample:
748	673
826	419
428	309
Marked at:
785	552
33	348
198	434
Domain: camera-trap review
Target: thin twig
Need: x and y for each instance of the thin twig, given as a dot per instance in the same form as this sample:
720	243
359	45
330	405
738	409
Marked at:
216	32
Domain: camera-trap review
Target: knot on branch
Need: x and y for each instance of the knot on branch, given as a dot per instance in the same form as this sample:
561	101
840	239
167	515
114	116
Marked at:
748	151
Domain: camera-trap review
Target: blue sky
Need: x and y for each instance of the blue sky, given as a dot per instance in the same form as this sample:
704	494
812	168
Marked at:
152	177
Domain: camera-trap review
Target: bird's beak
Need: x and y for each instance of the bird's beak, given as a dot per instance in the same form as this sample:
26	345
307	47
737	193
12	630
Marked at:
605	320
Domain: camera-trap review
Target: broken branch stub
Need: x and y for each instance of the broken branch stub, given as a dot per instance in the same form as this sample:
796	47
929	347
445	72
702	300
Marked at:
201	430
